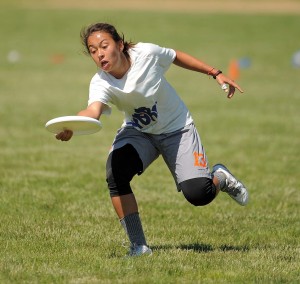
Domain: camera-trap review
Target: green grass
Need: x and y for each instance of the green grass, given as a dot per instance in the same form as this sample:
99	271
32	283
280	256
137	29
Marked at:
57	224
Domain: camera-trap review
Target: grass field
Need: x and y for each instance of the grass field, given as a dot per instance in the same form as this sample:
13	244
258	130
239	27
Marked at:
57	224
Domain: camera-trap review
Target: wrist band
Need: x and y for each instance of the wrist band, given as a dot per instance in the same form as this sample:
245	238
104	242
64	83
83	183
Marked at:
209	72
218	73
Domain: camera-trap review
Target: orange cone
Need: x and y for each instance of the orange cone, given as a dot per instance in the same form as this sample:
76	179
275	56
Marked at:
234	69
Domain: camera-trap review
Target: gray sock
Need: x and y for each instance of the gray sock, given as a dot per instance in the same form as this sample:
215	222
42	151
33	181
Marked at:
221	178
133	228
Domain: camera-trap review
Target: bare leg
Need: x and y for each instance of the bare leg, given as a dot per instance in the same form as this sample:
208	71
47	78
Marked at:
217	185
125	205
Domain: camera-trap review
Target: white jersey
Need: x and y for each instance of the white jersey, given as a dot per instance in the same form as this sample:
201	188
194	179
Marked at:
149	102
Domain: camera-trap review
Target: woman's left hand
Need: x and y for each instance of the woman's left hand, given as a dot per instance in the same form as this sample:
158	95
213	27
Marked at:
228	85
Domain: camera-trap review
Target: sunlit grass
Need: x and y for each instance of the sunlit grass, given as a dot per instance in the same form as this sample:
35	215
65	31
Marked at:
57	223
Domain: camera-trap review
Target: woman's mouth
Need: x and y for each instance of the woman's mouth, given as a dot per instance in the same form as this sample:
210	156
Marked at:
104	64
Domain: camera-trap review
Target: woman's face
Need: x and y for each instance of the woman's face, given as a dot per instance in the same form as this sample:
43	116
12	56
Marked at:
106	53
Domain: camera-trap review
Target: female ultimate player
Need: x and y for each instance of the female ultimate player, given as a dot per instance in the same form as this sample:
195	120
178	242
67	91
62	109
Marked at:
157	122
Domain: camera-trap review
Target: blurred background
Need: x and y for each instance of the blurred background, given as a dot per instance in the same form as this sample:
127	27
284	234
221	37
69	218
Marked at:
53	187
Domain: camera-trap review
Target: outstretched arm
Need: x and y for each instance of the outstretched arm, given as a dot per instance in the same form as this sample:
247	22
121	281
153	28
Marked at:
94	110
189	62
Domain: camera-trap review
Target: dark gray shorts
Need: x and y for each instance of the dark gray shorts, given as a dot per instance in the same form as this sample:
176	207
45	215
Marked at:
182	150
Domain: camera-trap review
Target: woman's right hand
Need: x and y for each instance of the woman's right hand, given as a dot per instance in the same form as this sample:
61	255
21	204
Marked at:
65	135
94	110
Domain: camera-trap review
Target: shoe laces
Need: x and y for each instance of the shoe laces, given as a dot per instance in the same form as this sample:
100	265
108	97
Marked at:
233	187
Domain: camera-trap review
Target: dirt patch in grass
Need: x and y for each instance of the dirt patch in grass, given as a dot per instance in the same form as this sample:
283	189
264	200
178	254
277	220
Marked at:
189	6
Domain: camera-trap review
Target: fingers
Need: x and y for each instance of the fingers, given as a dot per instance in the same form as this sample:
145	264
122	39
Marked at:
235	85
231	92
229	86
65	135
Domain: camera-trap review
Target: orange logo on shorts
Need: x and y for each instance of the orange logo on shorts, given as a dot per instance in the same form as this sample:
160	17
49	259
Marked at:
199	160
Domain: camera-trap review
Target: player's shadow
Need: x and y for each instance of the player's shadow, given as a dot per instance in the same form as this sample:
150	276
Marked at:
201	248
196	247
233	248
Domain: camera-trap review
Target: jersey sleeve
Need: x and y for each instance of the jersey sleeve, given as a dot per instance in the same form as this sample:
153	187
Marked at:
165	56
98	92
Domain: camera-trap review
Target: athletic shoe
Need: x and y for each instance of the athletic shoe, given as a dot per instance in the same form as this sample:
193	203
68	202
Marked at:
138	250
233	187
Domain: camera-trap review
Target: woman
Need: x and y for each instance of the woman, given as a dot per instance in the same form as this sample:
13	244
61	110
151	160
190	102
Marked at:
157	122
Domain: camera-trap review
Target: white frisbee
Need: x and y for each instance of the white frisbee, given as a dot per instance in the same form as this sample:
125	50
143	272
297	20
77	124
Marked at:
80	125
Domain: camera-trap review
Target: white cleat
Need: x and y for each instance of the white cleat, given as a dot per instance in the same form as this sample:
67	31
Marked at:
138	250
235	189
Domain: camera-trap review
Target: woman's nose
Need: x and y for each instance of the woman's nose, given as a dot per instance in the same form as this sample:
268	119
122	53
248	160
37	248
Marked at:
100	53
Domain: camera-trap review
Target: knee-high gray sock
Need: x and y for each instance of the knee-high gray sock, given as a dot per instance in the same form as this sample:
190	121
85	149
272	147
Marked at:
133	227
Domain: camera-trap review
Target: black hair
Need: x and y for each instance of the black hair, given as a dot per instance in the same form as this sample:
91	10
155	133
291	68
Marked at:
107	28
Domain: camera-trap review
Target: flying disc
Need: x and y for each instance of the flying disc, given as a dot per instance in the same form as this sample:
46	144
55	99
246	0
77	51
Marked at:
80	125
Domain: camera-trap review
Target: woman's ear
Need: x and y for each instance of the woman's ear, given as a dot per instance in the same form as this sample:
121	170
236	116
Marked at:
121	45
